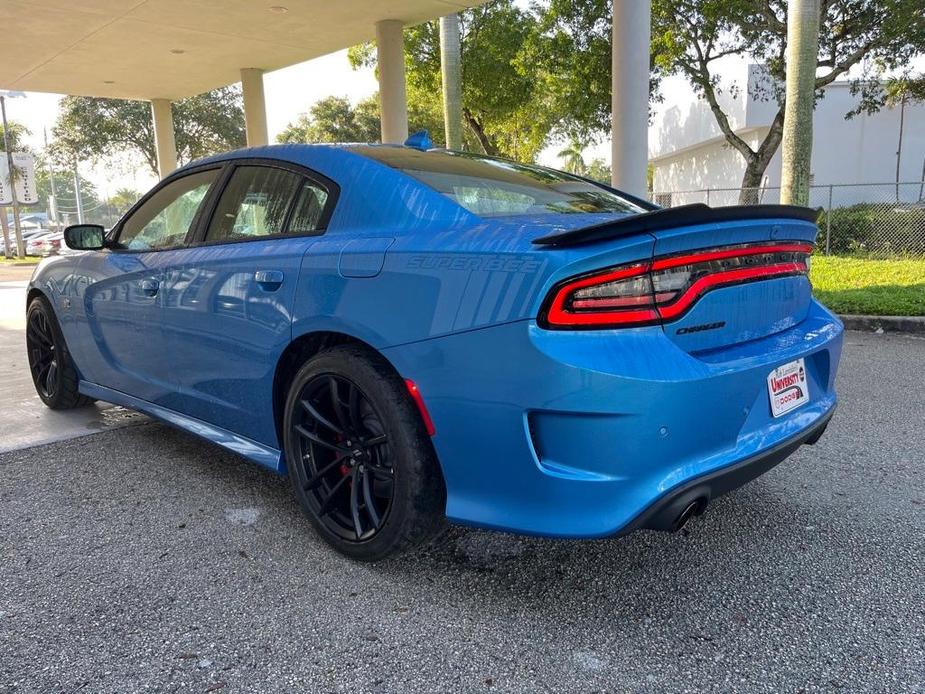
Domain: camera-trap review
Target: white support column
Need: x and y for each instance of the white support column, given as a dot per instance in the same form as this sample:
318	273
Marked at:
255	106
164	141
630	100
393	101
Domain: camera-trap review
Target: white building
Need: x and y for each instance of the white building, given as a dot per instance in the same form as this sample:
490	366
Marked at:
689	153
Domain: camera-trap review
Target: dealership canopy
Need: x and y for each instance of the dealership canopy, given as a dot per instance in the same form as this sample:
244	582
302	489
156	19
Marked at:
163	50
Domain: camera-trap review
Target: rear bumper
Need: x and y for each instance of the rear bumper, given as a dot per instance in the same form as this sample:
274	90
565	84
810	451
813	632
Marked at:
583	434
667	512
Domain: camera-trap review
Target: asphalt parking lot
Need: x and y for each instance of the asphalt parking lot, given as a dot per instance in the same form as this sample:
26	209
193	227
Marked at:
142	559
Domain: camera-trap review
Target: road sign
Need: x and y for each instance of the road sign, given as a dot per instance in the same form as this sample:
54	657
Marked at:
26	191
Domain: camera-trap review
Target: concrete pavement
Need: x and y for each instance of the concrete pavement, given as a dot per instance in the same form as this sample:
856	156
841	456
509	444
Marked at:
24	420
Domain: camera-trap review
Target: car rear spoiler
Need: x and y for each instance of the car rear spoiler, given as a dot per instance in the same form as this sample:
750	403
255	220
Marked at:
669	217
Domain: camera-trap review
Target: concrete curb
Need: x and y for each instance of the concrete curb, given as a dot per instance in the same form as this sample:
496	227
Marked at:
887	324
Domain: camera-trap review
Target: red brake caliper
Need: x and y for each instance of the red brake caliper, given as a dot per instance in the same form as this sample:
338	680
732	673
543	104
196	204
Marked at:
344	470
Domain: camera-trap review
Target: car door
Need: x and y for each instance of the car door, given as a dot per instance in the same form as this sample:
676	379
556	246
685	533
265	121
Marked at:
122	302
228	297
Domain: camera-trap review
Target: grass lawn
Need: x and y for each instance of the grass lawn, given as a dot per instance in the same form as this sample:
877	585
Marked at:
28	260
872	287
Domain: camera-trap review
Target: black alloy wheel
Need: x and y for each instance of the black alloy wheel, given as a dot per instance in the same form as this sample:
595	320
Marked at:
43	358
53	372
359	457
344	451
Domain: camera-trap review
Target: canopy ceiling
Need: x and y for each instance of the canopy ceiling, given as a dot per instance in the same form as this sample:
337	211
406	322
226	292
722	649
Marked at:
146	49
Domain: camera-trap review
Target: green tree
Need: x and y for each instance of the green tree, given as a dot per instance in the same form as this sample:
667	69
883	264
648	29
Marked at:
88	128
16	137
120	201
901	91
599	170
572	51
335	119
573	158
66	197
502	106
18	134
691	35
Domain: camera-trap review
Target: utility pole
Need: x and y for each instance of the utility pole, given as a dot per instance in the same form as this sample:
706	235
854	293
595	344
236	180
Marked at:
20	246
899	146
802	52
80	205
53	202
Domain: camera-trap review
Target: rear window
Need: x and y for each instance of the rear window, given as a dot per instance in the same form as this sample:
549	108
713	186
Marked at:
491	187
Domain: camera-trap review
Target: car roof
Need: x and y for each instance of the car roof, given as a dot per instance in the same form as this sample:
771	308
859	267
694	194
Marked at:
372	194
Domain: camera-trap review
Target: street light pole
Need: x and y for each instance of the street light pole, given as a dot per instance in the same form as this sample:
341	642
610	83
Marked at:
20	246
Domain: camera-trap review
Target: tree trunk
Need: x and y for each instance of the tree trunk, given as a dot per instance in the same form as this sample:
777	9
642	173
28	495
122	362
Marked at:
479	132
802	52
758	163
751	183
451	69
7	248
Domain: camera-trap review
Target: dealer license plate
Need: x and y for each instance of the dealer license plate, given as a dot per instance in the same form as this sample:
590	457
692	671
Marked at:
788	387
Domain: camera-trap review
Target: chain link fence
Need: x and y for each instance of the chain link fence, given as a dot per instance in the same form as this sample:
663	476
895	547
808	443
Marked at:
872	219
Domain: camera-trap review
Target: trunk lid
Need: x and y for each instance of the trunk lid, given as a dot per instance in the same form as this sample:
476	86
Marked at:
709	278
751	308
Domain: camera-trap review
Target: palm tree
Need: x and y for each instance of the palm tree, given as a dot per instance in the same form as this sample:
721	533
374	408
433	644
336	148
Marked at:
899	92
802	51
122	200
451	69
15	138
572	156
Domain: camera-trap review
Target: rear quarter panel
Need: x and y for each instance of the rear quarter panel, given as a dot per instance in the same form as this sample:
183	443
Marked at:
435	281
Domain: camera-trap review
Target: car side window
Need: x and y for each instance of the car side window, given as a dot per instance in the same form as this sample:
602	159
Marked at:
306	218
164	219
254	204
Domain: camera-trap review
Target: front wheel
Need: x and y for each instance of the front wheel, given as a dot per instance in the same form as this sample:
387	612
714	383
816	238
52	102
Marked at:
359	459
53	372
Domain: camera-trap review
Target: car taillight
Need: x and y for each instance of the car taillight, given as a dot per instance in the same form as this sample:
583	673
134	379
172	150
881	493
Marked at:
621	295
665	288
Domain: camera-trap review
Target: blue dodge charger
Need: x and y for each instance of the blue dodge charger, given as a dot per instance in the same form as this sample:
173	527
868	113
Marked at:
415	334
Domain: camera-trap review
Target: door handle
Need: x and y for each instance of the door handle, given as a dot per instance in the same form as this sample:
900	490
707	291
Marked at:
269	280
149	287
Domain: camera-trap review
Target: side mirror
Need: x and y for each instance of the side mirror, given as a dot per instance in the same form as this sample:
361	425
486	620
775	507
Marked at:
84	237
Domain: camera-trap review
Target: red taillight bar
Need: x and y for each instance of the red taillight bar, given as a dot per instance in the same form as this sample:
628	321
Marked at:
557	314
565	310
704	284
703	257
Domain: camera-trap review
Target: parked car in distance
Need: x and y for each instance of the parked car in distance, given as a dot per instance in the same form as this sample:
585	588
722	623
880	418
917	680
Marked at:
28	234
32	241
415	334
47	243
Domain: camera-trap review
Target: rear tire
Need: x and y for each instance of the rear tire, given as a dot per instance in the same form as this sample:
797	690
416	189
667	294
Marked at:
360	461
53	372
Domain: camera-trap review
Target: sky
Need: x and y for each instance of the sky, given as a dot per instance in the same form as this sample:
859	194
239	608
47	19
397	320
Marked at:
289	93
